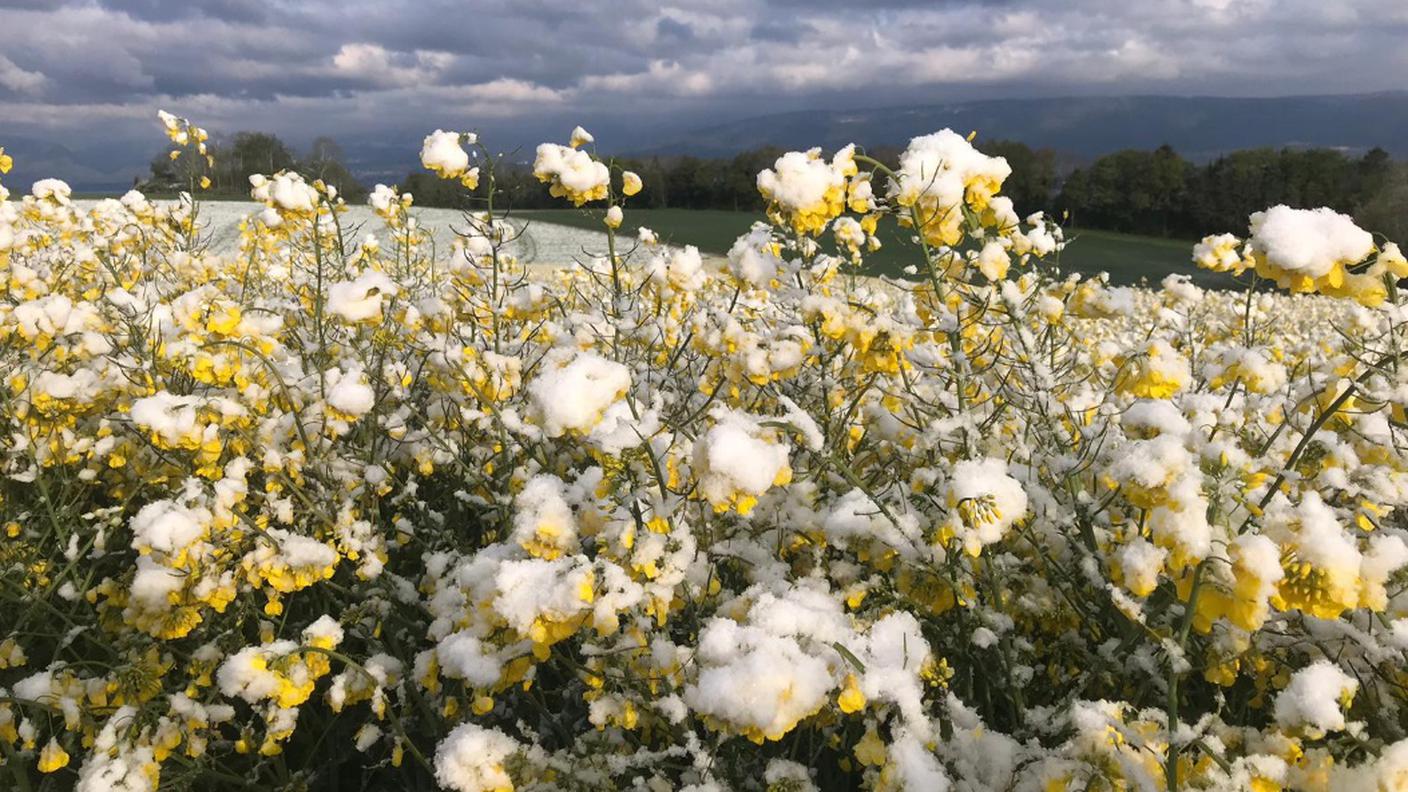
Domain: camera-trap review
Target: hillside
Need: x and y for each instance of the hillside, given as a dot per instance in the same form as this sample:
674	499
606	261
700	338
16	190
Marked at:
1129	259
1079	129
1198	127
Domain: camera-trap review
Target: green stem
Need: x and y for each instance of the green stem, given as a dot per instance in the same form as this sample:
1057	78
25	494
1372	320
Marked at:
1174	675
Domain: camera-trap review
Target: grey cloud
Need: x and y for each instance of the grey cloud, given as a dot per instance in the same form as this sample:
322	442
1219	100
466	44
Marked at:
910	5
668	28
252	11
35	4
777	30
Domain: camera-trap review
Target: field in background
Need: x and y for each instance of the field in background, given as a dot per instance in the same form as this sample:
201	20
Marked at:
558	236
547	244
1129	259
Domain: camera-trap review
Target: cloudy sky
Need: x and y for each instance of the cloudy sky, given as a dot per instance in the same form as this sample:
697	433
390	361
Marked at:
92	73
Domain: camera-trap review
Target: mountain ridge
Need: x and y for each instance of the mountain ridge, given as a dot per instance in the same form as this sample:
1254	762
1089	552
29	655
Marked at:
1078	128
1199	127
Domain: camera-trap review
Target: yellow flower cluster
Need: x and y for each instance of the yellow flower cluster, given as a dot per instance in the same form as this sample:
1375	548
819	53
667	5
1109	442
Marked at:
805	191
572	173
1308	250
441	152
184	137
942	182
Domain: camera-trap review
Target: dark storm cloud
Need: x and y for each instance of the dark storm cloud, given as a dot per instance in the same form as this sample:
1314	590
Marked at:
913	5
672	29
252	11
777	30
33	4
87	69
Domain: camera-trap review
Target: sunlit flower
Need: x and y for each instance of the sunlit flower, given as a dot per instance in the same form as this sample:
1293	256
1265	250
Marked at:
571	173
441	152
630	183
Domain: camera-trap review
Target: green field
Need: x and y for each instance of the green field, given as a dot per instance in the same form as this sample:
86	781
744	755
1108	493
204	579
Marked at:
1129	259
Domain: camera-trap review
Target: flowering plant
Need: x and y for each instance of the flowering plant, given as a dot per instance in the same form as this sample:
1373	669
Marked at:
333	510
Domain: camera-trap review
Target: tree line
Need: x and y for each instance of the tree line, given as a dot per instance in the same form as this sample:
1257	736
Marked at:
1157	192
687	182
1160	193
248	153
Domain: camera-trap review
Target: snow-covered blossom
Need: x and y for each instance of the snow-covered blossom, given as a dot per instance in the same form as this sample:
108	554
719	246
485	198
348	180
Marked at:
51	190
442	153
349	394
285	192
940	173
1302	249
361	299
986	501
758	683
630	183
806	189
739	460
471	759
1315	698
572	394
1220	253
543	521
571	173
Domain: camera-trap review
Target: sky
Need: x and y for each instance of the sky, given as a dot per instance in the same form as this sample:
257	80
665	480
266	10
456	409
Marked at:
91	74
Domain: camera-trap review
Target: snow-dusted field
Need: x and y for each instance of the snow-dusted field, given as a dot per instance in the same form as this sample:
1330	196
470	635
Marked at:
544	244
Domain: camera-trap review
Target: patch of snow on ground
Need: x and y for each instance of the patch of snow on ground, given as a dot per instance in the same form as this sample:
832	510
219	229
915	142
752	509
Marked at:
547	244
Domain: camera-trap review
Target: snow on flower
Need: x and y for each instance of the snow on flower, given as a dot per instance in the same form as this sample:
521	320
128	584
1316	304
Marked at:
938	174
739	460
541	598
580	137
167	527
52	190
1220	253
441	152
1300	247
1315	698
291	194
113	765
753	258
631	183
285	192
986	501
361	299
349	394
472	758
571	173
572	394
678	269
543	521
170	418
758	683
807	189
1159	372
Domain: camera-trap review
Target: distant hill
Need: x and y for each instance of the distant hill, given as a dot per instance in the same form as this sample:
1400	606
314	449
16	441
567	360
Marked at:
1199	128
1079	129
93	170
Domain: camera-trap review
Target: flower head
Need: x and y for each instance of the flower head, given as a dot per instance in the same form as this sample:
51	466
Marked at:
441	152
